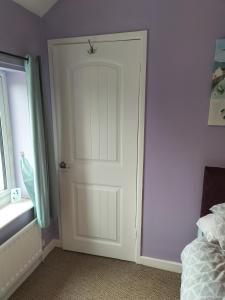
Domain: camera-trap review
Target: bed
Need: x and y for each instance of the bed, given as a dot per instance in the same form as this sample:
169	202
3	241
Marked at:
203	262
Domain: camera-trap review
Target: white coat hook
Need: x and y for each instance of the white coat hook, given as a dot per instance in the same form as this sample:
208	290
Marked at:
92	50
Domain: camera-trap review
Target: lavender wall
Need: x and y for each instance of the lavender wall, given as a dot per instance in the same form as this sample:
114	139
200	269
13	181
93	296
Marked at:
178	142
19	29
19	34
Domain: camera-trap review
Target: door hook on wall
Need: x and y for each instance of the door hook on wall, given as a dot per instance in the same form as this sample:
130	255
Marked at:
92	50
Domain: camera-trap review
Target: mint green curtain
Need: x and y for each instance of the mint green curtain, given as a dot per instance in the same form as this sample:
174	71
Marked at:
28	176
40	171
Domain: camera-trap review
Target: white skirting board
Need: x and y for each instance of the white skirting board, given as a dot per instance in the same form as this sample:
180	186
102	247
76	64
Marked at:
143	260
161	264
50	246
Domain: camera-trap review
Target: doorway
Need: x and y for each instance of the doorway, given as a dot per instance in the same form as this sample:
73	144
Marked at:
98	91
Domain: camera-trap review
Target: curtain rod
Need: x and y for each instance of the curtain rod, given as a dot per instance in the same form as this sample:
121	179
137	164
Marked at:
13	55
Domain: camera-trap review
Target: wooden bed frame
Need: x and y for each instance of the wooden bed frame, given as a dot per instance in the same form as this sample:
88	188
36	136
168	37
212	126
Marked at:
213	188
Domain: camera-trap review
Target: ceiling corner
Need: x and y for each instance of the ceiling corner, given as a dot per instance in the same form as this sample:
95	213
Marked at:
38	7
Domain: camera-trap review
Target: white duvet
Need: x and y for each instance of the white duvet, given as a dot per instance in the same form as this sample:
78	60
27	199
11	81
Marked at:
203	275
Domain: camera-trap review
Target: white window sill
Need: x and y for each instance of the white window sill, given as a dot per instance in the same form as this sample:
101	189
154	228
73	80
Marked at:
12	211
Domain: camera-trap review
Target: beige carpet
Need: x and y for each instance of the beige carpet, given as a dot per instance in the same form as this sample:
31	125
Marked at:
67	275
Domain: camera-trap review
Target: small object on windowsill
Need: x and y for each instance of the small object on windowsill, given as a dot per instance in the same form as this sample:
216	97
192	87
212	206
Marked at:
15	195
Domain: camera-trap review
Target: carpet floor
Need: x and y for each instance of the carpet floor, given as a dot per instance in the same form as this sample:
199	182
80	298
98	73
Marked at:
67	275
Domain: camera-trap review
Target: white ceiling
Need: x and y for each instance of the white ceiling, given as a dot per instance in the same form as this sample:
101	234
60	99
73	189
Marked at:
38	7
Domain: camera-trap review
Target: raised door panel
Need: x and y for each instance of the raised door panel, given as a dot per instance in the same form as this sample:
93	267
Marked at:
95	100
97	212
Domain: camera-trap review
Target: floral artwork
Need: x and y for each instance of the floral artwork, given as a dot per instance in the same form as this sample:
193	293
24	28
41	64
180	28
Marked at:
217	102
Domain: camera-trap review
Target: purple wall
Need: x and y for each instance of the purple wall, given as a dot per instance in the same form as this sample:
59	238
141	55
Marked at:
19	29
179	143
19	34
180	54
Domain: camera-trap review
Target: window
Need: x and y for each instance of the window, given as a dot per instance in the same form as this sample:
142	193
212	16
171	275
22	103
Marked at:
7	179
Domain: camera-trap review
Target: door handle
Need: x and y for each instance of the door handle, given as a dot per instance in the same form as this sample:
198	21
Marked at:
62	165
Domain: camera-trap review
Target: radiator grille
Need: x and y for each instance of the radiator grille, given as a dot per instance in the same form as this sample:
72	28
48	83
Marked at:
18	254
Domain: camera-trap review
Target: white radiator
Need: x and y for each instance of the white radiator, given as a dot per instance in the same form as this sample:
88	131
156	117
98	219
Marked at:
18	255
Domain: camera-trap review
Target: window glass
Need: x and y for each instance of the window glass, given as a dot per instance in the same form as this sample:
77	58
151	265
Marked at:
3	183
6	153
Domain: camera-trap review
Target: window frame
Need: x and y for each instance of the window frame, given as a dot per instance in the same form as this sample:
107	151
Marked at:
5	196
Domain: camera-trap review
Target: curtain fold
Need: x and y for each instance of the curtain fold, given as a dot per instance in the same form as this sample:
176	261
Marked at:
41	174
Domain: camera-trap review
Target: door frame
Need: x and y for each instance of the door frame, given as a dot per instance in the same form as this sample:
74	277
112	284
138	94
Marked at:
136	35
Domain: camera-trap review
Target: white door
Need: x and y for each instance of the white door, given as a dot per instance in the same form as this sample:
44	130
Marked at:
97	98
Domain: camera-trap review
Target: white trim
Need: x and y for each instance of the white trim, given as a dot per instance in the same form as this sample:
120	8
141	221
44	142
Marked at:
137	35
55	127
50	246
7	142
141	143
161	264
124	36
58	243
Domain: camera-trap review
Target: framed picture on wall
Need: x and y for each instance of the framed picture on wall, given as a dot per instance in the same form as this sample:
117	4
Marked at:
217	101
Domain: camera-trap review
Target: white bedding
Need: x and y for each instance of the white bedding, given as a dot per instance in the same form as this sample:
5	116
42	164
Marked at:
203	276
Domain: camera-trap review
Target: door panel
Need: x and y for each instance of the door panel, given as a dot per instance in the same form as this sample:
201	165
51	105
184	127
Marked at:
96	94
98	100
99	205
